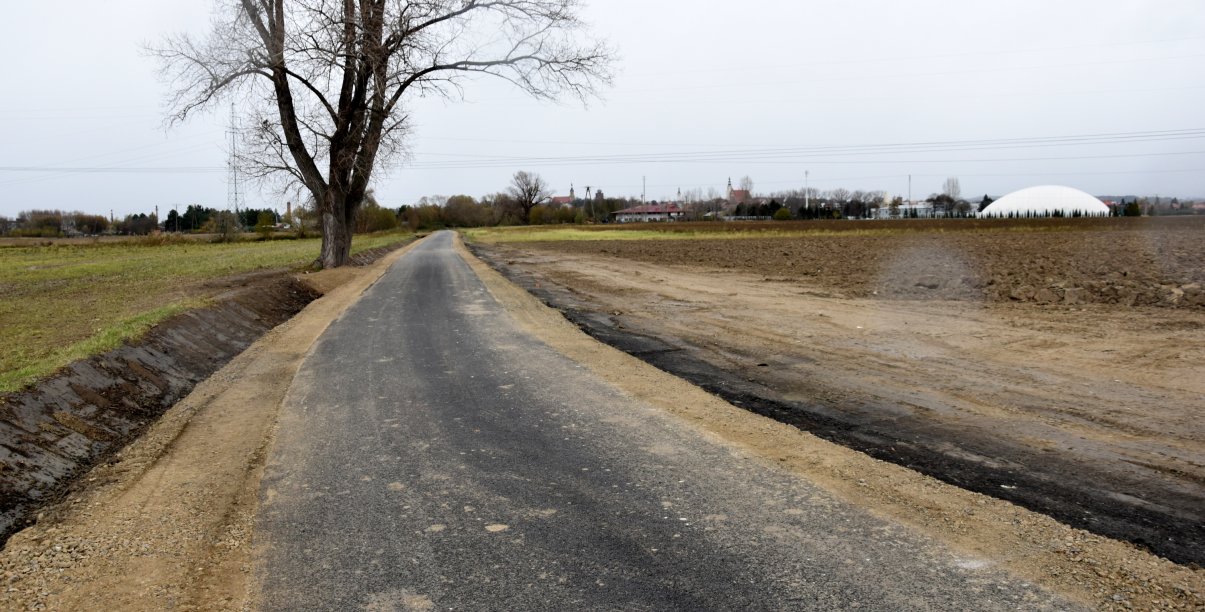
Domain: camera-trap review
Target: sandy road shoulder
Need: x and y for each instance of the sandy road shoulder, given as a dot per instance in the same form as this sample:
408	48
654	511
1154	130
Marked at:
1098	571
168	523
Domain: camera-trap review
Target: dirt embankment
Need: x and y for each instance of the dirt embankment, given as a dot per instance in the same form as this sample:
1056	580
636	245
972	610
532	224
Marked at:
166	521
52	432
64	425
1088	413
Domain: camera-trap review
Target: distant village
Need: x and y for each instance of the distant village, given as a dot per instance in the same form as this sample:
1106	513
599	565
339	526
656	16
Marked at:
741	204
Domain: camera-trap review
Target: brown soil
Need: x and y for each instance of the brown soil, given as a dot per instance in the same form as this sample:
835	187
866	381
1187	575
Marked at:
1104	573
933	351
1158	262
165	523
1089	413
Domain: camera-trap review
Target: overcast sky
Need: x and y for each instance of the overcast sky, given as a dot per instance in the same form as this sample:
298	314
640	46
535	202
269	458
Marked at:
705	91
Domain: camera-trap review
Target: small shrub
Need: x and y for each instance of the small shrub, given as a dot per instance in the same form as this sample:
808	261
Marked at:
157	239
225	227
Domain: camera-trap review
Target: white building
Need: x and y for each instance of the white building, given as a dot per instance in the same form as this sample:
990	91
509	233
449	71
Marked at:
648	213
1046	201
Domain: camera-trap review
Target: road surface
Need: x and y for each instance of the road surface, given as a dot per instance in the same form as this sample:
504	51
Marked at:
431	455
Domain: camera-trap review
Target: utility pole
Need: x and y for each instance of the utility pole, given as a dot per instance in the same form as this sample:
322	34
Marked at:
807	202
909	190
644	184
590	201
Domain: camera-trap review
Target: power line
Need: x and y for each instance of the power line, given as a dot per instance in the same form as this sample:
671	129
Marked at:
61	170
763	156
615	143
771	159
780	79
915	58
829	151
117	169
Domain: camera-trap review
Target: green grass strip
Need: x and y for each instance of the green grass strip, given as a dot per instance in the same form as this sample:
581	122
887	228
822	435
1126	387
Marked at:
103	341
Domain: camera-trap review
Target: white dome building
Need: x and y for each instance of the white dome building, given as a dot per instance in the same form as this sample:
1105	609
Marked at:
1046	201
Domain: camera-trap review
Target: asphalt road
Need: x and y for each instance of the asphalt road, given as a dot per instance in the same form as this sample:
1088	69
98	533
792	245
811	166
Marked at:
433	456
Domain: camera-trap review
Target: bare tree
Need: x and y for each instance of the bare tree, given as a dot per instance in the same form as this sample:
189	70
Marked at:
528	190
952	188
324	83
895	205
746	184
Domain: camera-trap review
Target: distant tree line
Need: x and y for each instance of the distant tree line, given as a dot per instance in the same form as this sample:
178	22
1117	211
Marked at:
196	217
53	224
434	212
62	224
528	200
139	224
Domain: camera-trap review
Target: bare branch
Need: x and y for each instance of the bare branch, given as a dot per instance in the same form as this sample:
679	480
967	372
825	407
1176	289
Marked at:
324	82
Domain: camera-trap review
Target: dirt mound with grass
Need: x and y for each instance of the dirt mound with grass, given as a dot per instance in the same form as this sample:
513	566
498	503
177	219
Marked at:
92	408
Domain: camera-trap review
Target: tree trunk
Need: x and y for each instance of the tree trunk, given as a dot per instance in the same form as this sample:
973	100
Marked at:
336	232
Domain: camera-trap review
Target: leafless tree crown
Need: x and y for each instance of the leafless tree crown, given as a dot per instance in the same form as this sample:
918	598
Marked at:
745	184
952	188
528	190
528	187
325	82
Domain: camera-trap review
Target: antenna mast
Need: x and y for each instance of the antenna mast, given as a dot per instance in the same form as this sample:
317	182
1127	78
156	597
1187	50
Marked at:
234	193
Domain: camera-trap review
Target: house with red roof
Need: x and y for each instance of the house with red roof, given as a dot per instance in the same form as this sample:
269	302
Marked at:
558	201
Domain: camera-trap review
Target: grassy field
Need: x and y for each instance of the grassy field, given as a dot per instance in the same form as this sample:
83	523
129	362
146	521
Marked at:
792	229
60	303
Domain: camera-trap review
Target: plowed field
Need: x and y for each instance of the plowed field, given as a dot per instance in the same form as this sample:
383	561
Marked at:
1056	365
